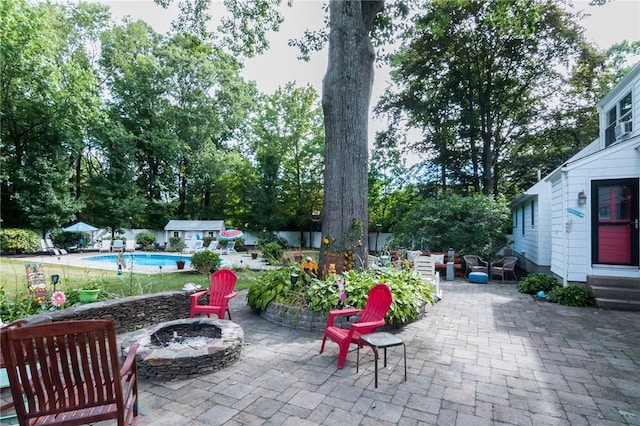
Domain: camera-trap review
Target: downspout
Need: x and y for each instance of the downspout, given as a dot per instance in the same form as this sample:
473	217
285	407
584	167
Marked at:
565	231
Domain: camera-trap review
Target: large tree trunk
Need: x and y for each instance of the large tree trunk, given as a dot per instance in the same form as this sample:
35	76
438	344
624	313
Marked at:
346	94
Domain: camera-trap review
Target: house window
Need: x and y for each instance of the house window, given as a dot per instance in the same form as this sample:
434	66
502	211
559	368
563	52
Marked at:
533	221
523	212
619	114
176	234
515	219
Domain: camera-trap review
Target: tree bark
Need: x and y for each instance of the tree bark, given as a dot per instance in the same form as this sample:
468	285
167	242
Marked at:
346	94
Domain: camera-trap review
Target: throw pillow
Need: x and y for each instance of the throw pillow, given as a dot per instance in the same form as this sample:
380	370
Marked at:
437	258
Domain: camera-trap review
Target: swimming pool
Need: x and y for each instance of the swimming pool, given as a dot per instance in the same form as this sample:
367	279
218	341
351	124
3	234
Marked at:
140	259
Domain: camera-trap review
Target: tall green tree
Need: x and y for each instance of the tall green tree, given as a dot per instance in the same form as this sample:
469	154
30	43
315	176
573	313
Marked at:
49	96
138	84
287	144
492	66
345	99
208	101
346	96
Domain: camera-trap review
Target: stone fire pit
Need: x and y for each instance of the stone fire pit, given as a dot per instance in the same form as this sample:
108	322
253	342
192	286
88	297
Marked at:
184	348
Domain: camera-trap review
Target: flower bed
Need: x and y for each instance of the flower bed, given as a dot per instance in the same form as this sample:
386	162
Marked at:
304	302
129	313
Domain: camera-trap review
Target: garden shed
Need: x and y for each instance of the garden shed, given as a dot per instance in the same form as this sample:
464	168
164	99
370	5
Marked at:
188	230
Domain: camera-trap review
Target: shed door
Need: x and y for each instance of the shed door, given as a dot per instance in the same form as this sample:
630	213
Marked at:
615	224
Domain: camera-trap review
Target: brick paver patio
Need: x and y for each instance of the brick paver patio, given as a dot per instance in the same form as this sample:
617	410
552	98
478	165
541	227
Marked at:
485	354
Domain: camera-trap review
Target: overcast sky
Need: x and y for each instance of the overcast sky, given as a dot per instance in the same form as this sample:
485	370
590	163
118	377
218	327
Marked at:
617	20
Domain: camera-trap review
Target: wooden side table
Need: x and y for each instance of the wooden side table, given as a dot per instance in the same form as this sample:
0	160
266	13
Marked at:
381	340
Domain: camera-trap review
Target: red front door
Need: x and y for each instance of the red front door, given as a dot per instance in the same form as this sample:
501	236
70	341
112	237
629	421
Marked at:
615	224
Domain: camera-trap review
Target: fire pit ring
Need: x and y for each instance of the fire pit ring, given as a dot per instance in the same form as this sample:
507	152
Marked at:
184	348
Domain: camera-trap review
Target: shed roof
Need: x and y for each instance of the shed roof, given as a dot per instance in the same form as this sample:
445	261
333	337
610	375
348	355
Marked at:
195	225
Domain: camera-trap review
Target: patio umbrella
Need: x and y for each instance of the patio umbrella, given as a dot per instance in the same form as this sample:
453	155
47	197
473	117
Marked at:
80	227
231	234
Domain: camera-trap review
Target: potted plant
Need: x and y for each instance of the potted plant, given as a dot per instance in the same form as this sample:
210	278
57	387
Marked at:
89	292
180	264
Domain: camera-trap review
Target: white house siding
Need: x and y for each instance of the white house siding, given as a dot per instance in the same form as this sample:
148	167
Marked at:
619	161
531	247
578	244
569	244
557	228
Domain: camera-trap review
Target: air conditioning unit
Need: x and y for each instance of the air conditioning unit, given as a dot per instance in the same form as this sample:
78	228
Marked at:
623	129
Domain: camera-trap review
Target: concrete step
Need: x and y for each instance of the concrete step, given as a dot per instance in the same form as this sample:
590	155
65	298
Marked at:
620	305
620	293
613	282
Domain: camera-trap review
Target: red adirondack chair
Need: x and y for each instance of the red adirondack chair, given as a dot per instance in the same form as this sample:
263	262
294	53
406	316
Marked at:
223	281
371	317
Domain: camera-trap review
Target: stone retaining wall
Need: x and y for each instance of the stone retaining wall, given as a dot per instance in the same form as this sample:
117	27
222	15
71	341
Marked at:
128	313
303	318
294	317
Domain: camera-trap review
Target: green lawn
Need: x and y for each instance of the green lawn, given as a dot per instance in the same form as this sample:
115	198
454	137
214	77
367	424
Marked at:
14	280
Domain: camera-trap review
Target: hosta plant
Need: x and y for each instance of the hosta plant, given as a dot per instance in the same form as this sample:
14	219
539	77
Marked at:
533	283
571	296
410	292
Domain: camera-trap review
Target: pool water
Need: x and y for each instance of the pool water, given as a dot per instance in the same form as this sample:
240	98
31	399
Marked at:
140	259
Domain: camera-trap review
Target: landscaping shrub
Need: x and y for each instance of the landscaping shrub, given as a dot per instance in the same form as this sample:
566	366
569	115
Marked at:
205	261
176	244
475	224
146	240
19	241
571	296
273	253
533	283
410	292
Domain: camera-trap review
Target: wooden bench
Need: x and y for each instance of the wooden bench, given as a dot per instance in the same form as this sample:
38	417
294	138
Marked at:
442	267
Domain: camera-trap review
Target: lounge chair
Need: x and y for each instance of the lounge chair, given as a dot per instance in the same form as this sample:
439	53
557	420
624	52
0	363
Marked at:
371	317
130	245
196	246
229	248
118	245
46	249
52	247
213	246
105	246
